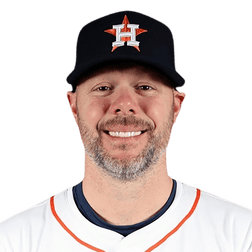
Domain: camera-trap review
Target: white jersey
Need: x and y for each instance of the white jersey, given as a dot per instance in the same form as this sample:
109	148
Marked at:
195	222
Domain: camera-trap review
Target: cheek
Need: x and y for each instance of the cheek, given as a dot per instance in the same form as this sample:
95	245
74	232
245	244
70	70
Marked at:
95	110
157	109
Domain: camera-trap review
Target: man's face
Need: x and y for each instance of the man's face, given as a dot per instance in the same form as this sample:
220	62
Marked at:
125	119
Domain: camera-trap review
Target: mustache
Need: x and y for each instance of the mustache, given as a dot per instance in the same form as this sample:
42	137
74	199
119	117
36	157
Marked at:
125	121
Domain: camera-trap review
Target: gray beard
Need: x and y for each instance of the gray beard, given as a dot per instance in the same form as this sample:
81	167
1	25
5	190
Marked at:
126	169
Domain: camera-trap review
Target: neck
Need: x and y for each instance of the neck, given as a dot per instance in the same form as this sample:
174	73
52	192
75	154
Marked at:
127	203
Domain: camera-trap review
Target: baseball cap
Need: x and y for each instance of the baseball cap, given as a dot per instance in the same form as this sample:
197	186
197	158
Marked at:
124	36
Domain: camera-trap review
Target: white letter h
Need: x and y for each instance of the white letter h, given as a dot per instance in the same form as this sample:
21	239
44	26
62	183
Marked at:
131	34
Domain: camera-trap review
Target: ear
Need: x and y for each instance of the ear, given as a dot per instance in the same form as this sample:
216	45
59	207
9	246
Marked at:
72	101
178	99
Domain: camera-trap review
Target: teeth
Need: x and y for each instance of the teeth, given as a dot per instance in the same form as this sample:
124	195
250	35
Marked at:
124	134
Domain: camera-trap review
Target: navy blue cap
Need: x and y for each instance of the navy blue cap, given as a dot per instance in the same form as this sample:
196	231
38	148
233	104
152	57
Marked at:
125	36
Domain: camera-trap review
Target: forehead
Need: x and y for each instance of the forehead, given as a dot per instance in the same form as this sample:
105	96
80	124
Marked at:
122	66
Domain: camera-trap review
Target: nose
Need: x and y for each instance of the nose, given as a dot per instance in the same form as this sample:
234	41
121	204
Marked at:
124	103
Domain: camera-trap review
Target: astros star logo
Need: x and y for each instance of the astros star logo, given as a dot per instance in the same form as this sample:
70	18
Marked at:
125	32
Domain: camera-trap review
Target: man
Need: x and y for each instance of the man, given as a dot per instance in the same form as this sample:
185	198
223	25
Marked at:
125	103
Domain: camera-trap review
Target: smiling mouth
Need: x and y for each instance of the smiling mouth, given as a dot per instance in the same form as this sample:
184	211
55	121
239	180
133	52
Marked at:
124	134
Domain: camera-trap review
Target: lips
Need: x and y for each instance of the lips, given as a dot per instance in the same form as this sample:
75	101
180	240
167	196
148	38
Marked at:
124	133
123	128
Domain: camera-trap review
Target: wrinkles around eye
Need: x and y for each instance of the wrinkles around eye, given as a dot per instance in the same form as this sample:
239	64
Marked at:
141	87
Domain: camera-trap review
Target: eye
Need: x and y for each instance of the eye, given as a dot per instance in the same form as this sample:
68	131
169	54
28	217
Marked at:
103	88
145	87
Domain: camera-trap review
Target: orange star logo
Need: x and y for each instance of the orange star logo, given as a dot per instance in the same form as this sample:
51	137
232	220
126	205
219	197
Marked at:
125	32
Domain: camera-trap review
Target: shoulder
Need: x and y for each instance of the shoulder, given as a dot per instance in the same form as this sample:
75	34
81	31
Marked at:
226	220
221	207
211	203
14	230
17	231
24	217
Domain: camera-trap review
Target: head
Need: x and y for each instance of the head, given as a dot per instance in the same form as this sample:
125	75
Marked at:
124	97
125	112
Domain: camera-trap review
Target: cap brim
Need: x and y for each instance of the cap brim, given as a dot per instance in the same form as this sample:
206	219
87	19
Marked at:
79	71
